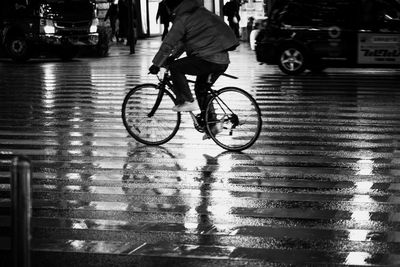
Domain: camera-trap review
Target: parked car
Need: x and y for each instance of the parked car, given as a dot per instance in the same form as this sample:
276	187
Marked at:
29	28
315	34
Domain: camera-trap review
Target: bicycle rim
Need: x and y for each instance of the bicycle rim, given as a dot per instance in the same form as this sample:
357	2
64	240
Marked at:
157	129
237	118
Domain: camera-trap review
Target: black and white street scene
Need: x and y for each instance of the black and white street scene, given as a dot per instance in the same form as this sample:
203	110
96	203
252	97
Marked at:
194	133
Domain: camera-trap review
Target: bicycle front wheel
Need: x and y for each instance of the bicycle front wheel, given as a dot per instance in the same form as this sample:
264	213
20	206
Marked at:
145	127
234	119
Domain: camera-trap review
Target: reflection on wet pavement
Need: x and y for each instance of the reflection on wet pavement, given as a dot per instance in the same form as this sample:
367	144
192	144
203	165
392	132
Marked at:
320	186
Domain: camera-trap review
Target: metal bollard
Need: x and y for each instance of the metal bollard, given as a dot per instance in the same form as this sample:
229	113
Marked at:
21	211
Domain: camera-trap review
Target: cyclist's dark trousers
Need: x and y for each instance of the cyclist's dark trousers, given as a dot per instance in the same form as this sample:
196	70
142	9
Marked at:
193	66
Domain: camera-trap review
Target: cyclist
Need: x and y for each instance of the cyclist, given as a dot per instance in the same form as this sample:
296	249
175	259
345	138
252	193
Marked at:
205	38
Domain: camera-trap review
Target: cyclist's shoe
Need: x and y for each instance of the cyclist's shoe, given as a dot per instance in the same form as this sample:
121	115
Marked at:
186	106
216	129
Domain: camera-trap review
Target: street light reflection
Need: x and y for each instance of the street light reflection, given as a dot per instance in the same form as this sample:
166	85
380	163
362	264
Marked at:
49	85
363	187
115	206
357	258
362	199
365	167
79	225
75	134
360	215
358	235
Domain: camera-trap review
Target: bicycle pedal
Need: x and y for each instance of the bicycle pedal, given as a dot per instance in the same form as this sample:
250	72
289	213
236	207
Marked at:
206	136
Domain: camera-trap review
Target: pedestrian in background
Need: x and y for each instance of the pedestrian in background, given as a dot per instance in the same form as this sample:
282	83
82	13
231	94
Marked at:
249	27
112	15
123	17
164	16
254	33
231	10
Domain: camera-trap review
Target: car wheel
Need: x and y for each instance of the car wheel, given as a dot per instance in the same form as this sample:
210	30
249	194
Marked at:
292	60
18	48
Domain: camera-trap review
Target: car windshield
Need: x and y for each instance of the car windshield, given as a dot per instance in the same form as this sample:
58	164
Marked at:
315	13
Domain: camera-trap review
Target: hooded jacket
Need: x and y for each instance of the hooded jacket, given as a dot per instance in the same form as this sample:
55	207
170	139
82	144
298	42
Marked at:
197	31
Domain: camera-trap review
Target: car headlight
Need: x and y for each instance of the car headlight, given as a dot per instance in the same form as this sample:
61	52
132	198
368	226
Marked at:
93	27
47	26
49	29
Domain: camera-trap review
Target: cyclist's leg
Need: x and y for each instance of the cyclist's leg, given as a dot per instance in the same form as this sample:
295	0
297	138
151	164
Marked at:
178	69
192	66
202	85
180	85
200	89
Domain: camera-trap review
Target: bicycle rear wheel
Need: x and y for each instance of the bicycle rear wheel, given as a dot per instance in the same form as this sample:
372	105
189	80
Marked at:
237	118
150	130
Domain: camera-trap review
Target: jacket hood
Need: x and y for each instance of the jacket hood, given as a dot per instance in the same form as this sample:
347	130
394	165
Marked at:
186	6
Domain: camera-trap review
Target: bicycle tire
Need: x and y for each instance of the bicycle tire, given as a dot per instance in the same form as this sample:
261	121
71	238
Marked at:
233	106
157	129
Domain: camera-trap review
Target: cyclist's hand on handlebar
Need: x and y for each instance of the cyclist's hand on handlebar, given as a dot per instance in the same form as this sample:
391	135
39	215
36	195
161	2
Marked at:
154	69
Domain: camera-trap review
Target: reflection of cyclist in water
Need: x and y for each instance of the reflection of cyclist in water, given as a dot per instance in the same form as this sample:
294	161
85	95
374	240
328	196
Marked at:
147	183
214	209
152	184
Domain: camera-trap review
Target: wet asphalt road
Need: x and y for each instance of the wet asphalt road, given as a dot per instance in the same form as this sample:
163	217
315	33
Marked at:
320	186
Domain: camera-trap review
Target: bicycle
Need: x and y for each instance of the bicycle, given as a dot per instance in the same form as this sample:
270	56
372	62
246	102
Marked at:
148	117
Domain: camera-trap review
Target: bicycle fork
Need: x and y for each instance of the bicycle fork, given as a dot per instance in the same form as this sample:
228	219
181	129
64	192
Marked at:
155	107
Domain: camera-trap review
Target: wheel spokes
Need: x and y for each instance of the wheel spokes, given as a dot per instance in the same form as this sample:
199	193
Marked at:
292	59
156	129
239	122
